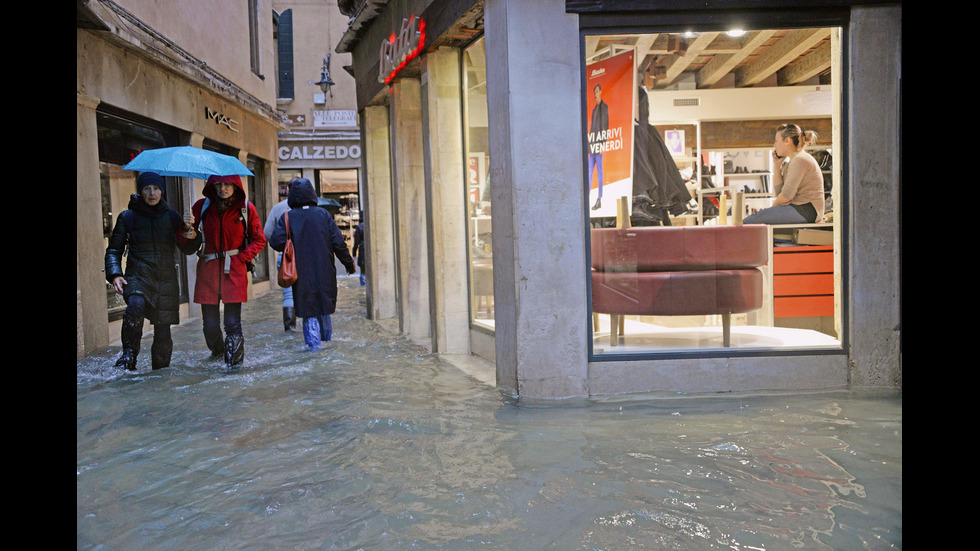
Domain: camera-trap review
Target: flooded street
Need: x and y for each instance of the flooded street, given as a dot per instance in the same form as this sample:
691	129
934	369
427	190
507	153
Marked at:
373	443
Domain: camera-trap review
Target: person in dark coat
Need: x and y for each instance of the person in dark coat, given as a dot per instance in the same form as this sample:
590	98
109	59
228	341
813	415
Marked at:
358	251
233	237
316	239
149	233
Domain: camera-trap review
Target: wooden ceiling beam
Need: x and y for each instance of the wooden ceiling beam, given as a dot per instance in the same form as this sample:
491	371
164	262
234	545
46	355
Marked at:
677	64
722	64
807	67
792	45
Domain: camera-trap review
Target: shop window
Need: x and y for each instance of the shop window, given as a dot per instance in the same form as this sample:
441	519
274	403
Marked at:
680	130
477	148
340	185
286	176
256	193
122	136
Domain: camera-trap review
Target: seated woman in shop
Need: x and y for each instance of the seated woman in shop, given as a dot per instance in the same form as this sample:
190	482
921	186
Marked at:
798	182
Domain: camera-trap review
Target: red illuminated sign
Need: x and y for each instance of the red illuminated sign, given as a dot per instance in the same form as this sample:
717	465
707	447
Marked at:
402	48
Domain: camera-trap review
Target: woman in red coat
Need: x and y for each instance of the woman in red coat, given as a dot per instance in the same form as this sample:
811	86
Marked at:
233	237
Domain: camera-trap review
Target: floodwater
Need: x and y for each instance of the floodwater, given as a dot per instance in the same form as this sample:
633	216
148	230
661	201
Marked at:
372	443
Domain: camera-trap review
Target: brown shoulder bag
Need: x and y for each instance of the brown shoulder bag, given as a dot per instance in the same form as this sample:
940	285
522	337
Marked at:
287	268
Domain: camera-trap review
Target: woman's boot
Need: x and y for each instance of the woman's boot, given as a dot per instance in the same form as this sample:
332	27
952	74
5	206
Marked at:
127	359
215	344
161	350
288	318
163	346
131	334
234	350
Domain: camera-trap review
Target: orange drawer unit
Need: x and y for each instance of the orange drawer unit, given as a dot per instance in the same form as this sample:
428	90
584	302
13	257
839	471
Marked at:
803	281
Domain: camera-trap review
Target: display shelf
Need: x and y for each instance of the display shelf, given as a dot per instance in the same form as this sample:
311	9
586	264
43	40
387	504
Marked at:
750	172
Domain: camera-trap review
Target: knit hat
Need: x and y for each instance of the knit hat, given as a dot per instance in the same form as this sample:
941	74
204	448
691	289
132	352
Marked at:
150	179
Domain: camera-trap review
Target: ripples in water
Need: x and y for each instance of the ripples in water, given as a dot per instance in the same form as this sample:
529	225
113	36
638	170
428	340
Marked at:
372	443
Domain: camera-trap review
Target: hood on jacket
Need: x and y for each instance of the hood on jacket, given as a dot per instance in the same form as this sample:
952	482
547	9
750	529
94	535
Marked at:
239	191
301	193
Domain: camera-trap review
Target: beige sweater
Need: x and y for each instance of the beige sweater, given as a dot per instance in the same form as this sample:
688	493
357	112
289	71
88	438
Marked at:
801	182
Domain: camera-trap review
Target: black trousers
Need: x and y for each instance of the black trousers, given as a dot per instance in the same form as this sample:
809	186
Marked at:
132	333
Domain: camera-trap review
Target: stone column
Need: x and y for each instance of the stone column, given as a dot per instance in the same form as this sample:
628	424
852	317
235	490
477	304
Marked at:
445	175
378	226
875	155
411	233
538	196
91	317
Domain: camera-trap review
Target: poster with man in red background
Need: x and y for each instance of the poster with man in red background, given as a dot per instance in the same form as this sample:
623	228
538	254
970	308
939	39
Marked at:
611	97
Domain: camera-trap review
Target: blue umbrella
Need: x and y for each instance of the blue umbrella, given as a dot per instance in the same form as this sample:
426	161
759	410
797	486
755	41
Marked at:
191	162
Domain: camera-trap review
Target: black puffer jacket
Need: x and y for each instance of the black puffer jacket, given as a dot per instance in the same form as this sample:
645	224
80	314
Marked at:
153	235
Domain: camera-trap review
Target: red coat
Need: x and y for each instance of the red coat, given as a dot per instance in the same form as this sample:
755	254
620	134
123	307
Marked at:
225	231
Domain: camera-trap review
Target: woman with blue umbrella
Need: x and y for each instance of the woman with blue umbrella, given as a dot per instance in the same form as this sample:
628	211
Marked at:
149	233
316	239
233	237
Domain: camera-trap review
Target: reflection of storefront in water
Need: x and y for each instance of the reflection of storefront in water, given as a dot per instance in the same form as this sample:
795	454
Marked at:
126	104
502	84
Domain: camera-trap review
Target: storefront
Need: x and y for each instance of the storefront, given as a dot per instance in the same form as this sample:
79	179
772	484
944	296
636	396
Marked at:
560	187
332	161
130	101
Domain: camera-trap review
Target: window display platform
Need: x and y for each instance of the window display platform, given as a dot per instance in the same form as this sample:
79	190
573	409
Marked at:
642	337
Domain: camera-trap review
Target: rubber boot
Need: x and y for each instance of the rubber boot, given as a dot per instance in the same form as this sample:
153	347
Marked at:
160	352
311	333
127	359
326	328
234	350
215	345
131	333
288	318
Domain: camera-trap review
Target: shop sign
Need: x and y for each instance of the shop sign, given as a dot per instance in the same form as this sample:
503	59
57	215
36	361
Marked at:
335	118
221	119
319	152
296	120
399	49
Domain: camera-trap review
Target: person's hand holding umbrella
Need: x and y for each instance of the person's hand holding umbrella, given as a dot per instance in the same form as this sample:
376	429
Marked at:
189	231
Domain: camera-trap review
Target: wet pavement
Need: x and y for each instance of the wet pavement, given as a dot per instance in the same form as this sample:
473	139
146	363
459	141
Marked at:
374	443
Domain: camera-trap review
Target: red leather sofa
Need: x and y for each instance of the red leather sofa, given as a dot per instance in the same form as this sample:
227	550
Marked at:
678	270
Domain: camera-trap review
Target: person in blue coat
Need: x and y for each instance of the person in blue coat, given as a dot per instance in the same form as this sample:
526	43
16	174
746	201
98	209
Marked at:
316	239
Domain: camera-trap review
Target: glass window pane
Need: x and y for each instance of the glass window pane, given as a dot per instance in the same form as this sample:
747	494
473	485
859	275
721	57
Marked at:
341	186
478	184
702	238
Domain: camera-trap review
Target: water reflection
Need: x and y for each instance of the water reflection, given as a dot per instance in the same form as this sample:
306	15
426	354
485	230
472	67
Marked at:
372	443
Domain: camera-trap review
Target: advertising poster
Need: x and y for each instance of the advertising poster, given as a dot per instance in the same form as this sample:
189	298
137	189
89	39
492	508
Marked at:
610	100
